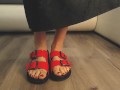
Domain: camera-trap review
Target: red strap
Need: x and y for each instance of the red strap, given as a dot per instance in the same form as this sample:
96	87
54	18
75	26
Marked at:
31	65
38	53
43	65
61	62
59	54
32	55
37	65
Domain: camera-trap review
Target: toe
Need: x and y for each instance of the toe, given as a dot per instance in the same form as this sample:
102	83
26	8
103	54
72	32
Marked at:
37	74
33	73
56	71
30	72
59	73
67	68
62	70
42	75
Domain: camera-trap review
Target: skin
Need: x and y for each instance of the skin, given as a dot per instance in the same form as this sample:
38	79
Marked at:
57	44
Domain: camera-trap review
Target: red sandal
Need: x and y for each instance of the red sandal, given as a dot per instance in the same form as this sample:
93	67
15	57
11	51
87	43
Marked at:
63	62
33	64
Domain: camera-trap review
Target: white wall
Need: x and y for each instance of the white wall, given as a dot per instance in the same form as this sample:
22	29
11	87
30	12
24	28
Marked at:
108	25
12	18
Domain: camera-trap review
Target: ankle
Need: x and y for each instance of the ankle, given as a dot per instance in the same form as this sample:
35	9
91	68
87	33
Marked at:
41	48
56	48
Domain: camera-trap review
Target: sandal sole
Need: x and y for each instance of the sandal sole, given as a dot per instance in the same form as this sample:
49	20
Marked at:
59	78
37	81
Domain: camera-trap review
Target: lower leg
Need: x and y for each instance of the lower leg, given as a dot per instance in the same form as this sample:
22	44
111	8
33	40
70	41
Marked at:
58	45
40	40
40	44
59	39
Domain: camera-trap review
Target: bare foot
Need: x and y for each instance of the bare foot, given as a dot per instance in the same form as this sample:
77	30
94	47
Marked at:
38	73
60	70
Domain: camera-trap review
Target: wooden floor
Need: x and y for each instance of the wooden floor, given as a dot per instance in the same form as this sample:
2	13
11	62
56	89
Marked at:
96	63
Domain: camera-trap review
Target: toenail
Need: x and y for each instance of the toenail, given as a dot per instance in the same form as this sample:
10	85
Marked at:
41	75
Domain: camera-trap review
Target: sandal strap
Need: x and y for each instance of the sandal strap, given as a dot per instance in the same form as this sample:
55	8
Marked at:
60	62
59	54
38	53
37	65
63	62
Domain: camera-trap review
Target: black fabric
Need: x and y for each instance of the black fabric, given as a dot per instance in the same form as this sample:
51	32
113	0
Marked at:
45	15
11	2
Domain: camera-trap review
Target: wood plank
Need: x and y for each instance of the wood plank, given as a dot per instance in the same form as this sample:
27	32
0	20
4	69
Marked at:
95	61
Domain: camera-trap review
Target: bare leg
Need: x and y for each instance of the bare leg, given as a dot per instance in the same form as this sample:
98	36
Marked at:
40	43
58	45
